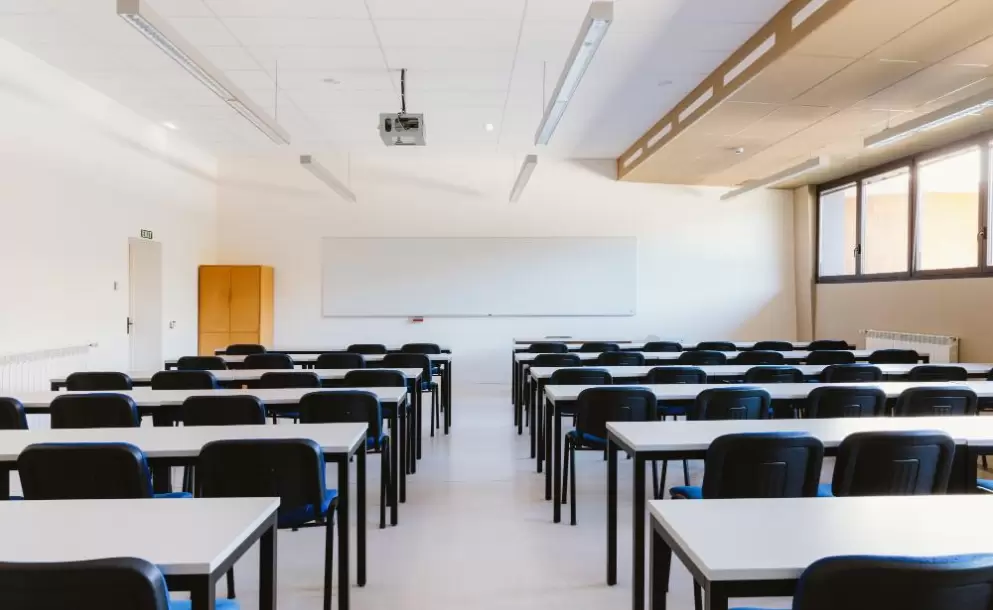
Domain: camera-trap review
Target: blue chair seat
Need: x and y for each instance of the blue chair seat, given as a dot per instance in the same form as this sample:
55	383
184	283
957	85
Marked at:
688	492
370	442
672	410
174	494
294	517
587	440
986	484
220	604
824	491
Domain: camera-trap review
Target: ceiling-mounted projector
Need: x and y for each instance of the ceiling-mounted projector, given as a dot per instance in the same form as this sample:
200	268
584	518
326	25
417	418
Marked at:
401	128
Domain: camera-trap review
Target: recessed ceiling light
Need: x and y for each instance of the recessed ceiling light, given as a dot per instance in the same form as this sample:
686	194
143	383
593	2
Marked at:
489	127
170	125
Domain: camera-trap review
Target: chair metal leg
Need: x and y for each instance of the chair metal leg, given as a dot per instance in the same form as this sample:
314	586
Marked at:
572	486
697	597
567	453
433	414
230	579
686	473
436	400
329	554
655	479
385	483
660	490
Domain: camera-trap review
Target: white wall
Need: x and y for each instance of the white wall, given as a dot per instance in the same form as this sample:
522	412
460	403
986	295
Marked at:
707	268
79	174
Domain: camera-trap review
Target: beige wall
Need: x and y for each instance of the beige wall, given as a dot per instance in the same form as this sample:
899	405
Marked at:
804	239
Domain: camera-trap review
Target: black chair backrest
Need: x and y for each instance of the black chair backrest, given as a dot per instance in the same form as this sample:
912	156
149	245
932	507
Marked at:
900	463
340	360
850	373
894	356
121	583
731	403
845	401
702	358
81	471
351	406
773	346
290	469
420	348
241	410
937	372
599	346
620	359
759	357
12	414
580	376
244	349
268	361
717	346
375	378
962	582
824	356
773	374
556	360
597	406
766	465
662	346
936	401
201	363
184	380
367	348
547	347
100	410
408	361
676	374
98	382
289	379
827	344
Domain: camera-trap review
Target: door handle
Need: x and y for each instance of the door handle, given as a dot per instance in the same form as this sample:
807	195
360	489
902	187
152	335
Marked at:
130	324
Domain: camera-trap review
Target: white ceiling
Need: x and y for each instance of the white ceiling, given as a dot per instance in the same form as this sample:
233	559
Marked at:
469	62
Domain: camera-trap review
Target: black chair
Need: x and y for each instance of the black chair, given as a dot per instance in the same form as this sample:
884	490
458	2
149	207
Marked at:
268	361
594	408
845	401
546	347
773	346
79	471
287	379
731	403
676	374
935	401
244	349
850	373
765	465
759	357
340	360
827	344
937	372
98	382
903	463
599	346
12	415
580	376
662	346
420	348
103	410
358	406
423	362
894	356
290	469
367	348
184	380
773	374
384	378
547	360
242	410
716	346
830	357
201	363
702	358
620	359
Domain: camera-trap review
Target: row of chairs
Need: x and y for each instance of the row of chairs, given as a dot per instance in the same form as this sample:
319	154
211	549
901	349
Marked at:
553	347
246	349
715	358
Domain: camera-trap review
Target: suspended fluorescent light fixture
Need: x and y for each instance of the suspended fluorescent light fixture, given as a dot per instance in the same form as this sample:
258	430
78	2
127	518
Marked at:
161	34
594	28
323	174
768	181
971	106
527	168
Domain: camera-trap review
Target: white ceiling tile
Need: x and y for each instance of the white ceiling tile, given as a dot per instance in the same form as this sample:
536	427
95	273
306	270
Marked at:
328	9
68	29
253	31
731	11
572	11
447	80
710	36
250	79
417	98
428	58
181	8
463	34
230	57
344	80
446	9
312	58
376	100
203	31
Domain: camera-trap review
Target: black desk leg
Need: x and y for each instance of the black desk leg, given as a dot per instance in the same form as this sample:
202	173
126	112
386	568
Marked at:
343	535
267	569
418	395
513	383
557	468
638	527
547	433
611	512
447	393
532	405
519	400
5	483
660	562
202	593
360	514
410	430
399	456
717	597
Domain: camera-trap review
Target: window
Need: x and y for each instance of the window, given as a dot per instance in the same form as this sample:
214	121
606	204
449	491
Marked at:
948	211
886	222
838	209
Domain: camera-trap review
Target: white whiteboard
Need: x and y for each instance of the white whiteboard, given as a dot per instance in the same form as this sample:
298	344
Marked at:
471	276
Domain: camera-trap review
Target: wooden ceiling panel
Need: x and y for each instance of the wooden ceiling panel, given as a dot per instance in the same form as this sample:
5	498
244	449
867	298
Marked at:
784	122
731	117
857	81
789	77
978	55
959	25
925	86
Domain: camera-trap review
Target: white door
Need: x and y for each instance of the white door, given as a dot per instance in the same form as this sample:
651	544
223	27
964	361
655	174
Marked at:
145	311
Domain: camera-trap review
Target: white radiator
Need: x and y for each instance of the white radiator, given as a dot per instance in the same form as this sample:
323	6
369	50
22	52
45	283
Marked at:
32	371
941	348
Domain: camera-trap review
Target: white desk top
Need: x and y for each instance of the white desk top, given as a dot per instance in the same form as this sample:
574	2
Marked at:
312	358
738	370
189	536
183	441
147	397
776	539
255	374
636	343
393	347
791	355
778	391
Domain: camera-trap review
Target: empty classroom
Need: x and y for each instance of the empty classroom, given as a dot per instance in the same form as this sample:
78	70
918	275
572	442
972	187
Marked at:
493	304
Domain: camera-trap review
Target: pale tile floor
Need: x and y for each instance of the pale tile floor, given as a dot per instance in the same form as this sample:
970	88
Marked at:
476	532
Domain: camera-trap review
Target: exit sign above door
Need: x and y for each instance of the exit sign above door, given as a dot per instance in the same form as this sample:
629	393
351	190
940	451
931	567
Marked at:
146	234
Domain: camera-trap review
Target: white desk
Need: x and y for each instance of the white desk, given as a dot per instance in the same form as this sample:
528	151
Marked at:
978	369
759	547
192	541
790	356
230	376
394	347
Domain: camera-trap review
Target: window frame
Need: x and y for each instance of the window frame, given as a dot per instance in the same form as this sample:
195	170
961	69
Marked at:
912	163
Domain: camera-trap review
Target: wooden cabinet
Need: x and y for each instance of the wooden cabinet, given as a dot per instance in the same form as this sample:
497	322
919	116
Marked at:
235	306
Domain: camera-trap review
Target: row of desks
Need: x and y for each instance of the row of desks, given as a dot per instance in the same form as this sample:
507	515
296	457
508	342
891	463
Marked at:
574	343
